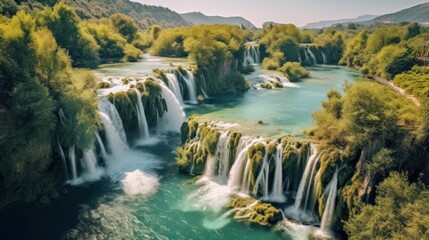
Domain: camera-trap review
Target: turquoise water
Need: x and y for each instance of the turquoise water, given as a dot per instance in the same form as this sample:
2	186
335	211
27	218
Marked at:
286	110
174	206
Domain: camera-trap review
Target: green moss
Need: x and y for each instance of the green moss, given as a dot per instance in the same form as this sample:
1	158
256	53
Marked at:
263	214
267	86
193	128
102	85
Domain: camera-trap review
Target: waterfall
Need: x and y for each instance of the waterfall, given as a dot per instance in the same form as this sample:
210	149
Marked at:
113	127
217	166
72	159
174	117
190	83
204	86
325	59
277	192
237	174
90	161
262	178
252	54
174	86
305	198
313	57
328	213
141	116
63	159
102	147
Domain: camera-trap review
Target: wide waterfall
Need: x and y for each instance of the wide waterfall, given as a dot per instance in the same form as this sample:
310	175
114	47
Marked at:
141	116
189	80
277	191
328	213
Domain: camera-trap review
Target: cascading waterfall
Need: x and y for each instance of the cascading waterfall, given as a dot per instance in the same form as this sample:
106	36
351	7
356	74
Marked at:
174	117
90	162
174	86
217	166
262	179
328	213
252	54
63	159
115	134
204	86
325	58
141	116
102	147
277	192
305	200
312	56
236	174
72	159
191	85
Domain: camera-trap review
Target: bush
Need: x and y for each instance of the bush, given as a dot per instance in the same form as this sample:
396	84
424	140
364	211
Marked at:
294	71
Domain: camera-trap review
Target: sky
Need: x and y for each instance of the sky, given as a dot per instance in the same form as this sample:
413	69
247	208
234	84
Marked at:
298	12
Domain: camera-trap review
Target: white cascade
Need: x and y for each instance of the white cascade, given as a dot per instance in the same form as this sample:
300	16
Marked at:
173	119
90	162
141	116
72	159
191	85
313	57
252	55
262	179
236	174
223	156
328	213
102	147
305	199
204	86
115	134
63	159
277	192
325	59
174	86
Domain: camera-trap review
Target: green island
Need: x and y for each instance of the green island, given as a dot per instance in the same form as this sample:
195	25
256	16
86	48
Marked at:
121	120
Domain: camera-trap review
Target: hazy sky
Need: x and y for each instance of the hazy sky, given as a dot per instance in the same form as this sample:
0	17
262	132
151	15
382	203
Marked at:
299	12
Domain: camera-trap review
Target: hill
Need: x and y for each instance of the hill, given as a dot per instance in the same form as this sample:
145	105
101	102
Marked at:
199	18
417	14
143	15
328	23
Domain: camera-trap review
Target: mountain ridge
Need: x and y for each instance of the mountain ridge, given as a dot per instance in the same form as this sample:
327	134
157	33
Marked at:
200	18
328	23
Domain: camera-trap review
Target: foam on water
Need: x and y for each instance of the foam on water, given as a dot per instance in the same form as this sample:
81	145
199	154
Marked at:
139	183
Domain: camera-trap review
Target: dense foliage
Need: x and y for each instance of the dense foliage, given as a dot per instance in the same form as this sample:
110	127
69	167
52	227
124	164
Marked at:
215	50
143	15
43	100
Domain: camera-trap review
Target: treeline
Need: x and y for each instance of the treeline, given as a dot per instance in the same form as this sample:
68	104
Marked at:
143	15
217	51
43	100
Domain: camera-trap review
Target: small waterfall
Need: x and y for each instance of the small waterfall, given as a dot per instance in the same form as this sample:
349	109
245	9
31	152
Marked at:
305	198
90	161
115	134
217	166
141	116
325	59
191	85
174	117
72	159
63	159
204	86
237	177
277	192
101	144
312	56
328	213
262	179
252	54
174	86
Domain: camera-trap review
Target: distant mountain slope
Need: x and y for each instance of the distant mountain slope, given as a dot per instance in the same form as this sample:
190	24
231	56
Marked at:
199	18
143	15
418	14
329	23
